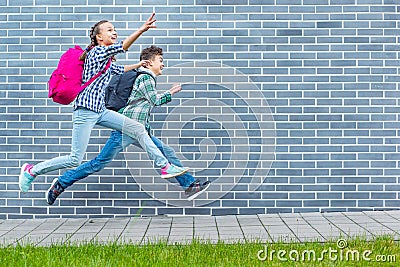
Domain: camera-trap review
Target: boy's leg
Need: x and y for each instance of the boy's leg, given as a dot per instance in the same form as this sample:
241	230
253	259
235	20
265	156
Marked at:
83	123
193	187
111	149
184	180
137	131
134	129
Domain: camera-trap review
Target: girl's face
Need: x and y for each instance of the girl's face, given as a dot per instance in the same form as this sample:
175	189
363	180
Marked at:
108	35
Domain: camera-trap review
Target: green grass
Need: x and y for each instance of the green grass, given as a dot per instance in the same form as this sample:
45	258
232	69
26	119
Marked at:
196	254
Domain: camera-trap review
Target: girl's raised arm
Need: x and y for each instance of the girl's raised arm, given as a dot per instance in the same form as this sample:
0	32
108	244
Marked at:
132	38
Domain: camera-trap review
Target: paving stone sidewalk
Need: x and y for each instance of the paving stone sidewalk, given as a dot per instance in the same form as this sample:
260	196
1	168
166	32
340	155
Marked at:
286	227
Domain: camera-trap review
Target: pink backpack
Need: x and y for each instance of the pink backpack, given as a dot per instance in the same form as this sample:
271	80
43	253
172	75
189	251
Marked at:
65	82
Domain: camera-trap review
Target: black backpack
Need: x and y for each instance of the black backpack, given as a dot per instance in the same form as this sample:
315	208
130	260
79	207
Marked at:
120	88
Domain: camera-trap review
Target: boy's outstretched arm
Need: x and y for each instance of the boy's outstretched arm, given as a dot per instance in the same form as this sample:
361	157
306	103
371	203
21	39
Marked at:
175	89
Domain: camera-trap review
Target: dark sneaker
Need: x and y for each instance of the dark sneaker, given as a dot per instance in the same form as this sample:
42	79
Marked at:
195	189
54	191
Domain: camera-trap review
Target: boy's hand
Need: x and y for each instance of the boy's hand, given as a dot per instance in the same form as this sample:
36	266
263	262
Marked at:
149	23
175	89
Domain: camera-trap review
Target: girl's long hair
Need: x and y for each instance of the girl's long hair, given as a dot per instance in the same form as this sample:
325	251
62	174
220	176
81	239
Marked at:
93	41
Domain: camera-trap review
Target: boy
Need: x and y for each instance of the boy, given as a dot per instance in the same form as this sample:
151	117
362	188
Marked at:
140	103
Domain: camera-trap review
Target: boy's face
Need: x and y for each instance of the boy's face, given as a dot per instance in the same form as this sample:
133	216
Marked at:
156	65
108	35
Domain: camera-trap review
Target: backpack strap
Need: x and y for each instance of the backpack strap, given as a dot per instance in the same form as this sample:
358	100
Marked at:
137	76
97	75
145	72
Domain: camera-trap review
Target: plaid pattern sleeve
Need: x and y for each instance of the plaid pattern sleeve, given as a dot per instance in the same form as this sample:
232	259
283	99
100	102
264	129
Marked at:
143	99
92	97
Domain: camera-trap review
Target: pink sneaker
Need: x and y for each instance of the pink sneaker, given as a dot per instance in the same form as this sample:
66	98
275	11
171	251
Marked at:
171	171
26	177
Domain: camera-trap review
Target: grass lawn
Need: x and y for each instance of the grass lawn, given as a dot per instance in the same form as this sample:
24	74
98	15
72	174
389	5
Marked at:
383	251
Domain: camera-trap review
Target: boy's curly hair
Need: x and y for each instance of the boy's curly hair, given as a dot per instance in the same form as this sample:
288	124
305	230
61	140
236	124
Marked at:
150	52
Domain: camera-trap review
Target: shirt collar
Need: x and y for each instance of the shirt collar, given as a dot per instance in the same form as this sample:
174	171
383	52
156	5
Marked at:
142	69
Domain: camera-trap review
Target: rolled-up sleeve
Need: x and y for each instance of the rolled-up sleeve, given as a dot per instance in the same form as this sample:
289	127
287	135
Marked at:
105	52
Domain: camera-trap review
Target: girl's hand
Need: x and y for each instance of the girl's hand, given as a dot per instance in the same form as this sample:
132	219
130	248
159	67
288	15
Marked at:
149	23
143	63
132	38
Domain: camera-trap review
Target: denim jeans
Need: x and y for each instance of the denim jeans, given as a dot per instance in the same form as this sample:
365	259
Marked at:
184	180
115	144
83	122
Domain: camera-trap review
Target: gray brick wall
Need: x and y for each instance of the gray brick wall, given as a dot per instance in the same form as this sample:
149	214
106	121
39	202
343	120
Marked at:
297	112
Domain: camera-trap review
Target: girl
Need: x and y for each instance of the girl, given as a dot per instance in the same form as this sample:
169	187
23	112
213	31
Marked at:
89	107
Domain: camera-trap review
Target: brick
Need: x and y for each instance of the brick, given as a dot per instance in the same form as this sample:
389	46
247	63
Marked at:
323	24
208	2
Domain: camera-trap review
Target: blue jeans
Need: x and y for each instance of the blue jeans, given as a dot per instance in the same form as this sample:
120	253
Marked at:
115	144
83	122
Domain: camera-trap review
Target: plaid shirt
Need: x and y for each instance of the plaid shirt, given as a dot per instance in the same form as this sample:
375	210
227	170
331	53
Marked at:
92	97
144	98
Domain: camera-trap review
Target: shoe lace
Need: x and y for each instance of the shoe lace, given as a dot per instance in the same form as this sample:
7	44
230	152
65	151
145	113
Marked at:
57	189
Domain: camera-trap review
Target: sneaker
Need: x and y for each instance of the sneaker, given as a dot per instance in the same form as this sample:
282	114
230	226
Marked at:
54	191
195	189
170	171
25	177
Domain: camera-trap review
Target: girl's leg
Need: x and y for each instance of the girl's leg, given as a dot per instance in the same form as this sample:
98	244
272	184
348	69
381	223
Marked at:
184	180
83	122
136	130
106	155
113	146
193	187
